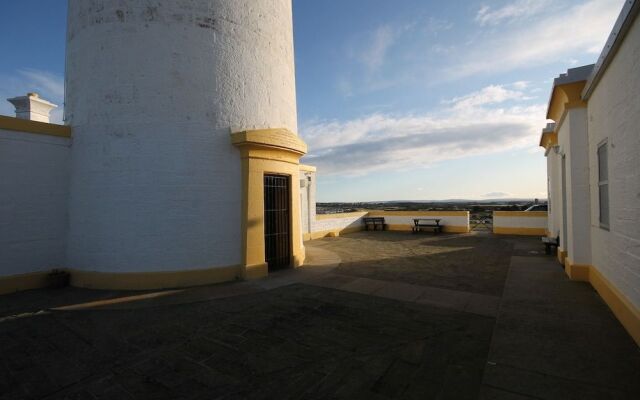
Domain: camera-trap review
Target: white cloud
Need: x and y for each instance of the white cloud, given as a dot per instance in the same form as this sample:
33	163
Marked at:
520	85
50	87
514	10
466	126
381	40
46	82
582	28
437	25
489	95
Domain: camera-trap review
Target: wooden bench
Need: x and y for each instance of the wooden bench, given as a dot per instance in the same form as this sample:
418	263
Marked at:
427	223
374	222
550	242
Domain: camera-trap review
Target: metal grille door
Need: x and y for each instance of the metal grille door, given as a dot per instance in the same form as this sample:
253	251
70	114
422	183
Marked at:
277	223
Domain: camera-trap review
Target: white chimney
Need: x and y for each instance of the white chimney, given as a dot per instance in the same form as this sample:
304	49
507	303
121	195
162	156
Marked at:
32	107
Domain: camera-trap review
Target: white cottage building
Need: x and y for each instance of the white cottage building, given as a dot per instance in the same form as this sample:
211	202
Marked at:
593	168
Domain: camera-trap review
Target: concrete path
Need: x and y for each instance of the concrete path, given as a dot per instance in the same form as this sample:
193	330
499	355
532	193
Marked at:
556	339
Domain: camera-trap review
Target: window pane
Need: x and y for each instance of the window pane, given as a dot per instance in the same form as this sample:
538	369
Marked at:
604	205
603	163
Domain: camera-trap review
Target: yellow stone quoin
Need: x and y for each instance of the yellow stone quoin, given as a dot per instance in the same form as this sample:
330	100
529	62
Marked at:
267	151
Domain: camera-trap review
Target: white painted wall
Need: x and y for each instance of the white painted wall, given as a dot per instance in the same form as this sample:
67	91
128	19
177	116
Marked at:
564	148
614	113
354	220
573	142
33	201
307	200
336	222
154	89
530	220
578	192
554	219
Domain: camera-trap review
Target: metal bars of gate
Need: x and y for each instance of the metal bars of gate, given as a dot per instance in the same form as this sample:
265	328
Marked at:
277	224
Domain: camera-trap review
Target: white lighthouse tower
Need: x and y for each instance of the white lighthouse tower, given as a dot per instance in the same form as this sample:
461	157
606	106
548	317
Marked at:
181	111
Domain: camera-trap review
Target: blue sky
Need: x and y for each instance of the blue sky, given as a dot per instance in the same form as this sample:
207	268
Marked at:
403	99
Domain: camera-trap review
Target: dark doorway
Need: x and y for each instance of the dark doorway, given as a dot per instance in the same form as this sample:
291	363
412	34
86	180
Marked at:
277	221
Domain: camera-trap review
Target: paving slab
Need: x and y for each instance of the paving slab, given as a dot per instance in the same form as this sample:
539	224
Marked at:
556	339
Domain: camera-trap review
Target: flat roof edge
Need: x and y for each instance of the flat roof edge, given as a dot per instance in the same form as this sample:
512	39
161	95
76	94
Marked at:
626	18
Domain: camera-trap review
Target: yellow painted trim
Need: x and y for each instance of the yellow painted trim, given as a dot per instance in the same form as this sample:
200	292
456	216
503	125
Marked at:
528	214
623	309
320	217
124	280
267	151
17	283
548	139
307	168
153	280
382	213
576	272
561	255
276	138
40	128
563	98
498	230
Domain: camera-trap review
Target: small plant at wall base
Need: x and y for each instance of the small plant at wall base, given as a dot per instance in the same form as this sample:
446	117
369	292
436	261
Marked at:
57	279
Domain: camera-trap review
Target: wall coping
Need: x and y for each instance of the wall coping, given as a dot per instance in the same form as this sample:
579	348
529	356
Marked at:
341	215
534	214
420	213
28	126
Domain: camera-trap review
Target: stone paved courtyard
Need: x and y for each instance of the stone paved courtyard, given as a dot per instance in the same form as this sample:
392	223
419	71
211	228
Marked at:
375	315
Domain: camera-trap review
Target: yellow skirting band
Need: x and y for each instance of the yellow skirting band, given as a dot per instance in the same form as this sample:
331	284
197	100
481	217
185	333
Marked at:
624	310
153	280
499	230
576	272
124	280
17	283
627	314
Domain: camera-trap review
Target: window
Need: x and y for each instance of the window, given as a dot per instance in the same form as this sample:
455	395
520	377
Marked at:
603	184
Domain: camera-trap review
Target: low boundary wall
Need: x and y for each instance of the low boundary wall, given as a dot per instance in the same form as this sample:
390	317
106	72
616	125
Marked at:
531	223
333	225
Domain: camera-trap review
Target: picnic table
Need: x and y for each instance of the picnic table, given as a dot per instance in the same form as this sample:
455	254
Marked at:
427	223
